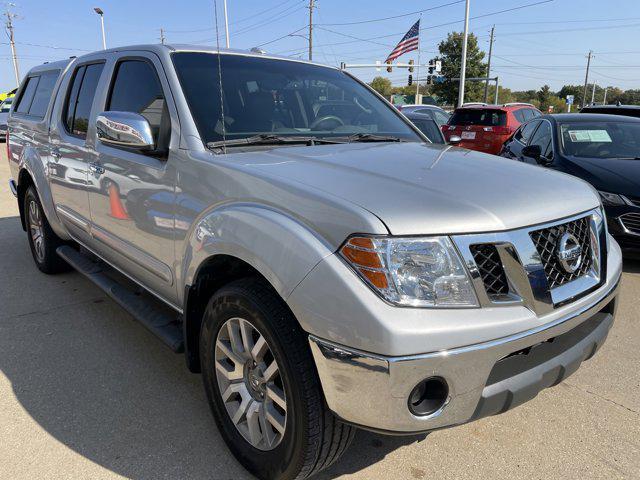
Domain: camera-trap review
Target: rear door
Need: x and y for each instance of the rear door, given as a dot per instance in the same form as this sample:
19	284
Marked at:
70	158
133	204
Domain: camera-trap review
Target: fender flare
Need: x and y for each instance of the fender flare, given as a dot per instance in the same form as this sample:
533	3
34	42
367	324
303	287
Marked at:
278	247
33	165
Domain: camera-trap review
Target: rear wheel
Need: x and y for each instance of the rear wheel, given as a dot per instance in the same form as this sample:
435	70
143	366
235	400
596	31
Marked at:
262	385
42	240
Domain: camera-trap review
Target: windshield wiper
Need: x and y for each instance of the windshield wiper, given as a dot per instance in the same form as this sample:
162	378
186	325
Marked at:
268	139
368	137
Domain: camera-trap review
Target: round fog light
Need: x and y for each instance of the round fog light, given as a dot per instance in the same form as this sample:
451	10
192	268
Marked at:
429	396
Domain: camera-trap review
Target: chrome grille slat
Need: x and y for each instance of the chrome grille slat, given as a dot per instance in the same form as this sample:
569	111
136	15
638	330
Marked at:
546	243
491	269
631	221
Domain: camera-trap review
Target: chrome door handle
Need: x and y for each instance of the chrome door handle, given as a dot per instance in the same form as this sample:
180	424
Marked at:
96	168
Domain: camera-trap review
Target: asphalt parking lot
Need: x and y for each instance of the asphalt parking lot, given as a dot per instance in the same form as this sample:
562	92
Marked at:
87	393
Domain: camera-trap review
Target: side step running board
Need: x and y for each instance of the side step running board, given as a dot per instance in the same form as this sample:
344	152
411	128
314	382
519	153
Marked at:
163	324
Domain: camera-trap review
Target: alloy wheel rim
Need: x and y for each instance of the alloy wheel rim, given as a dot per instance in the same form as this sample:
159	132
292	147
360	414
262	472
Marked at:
35	228
250	384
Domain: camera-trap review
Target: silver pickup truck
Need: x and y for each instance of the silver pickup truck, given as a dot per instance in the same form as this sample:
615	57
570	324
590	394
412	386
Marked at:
316	258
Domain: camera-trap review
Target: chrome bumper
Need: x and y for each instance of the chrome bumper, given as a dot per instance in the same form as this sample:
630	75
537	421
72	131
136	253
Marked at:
372	391
13	187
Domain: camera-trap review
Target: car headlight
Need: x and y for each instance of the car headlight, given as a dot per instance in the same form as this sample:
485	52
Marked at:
410	271
611	199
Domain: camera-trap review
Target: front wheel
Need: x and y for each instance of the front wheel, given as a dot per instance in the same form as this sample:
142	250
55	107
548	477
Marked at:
262	386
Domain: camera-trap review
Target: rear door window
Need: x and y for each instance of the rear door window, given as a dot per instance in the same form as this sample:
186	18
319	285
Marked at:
519	114
83	90
478	116
43	93
27	97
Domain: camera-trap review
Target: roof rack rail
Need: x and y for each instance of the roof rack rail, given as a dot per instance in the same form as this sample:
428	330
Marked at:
474	103
518	103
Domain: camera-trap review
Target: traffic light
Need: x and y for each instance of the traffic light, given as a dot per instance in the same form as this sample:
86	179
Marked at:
389	68
411	67
410	80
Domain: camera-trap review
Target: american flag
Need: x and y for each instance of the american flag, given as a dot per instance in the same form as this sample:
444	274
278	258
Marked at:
408	43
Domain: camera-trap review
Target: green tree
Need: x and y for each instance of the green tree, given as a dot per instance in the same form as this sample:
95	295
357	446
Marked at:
451	58
382	86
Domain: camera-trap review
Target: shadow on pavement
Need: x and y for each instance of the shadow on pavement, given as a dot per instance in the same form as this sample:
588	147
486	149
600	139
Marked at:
100	384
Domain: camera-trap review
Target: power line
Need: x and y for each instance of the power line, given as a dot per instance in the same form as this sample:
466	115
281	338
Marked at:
268	21
430	27
268	10
394	16
280	38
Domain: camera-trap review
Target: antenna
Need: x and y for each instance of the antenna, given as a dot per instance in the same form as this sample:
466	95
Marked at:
224	133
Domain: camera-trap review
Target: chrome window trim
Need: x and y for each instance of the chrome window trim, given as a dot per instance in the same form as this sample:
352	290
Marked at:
528	284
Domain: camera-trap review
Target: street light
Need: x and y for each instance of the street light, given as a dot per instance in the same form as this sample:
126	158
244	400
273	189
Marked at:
99	11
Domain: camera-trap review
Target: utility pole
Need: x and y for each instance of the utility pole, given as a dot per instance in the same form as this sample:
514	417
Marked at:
486	85
463	68
311	7
586	79
226	23
9	22
604	100
162	38
593	93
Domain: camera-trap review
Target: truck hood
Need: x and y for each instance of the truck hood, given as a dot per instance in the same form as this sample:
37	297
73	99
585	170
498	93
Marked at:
431	189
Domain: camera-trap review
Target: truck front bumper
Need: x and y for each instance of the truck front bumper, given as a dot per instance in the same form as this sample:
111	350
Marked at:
373	391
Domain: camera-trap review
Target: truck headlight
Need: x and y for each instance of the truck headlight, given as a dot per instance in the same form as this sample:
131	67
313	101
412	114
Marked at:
412	271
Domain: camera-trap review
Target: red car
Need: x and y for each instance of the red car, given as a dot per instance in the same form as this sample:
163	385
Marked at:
485	127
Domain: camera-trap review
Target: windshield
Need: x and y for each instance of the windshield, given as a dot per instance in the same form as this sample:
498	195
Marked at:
601	139
5	106
478	116
287	98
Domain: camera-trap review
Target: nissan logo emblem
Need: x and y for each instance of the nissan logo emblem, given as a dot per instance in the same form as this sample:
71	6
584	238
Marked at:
569	252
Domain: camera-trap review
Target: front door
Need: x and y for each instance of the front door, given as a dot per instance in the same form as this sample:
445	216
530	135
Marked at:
69	157
133	209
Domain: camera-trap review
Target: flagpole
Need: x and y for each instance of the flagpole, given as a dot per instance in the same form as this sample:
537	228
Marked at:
418	67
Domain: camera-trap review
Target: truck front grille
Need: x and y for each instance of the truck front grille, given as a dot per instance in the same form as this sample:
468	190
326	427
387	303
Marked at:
546	243
631	222
491	270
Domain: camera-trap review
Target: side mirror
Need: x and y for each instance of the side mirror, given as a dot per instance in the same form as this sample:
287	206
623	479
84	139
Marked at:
125	129
454	140
532	151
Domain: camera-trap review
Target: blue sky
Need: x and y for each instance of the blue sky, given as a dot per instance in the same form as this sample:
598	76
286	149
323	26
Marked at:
544	43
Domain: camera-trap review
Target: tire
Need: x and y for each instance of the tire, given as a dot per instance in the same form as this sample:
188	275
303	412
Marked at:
313	437
42	240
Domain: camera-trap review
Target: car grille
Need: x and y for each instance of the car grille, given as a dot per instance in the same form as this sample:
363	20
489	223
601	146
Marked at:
631	221
546	243
634	200
491	270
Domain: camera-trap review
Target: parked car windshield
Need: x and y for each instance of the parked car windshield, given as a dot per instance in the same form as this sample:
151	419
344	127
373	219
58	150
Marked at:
286	98
479	116
601	139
